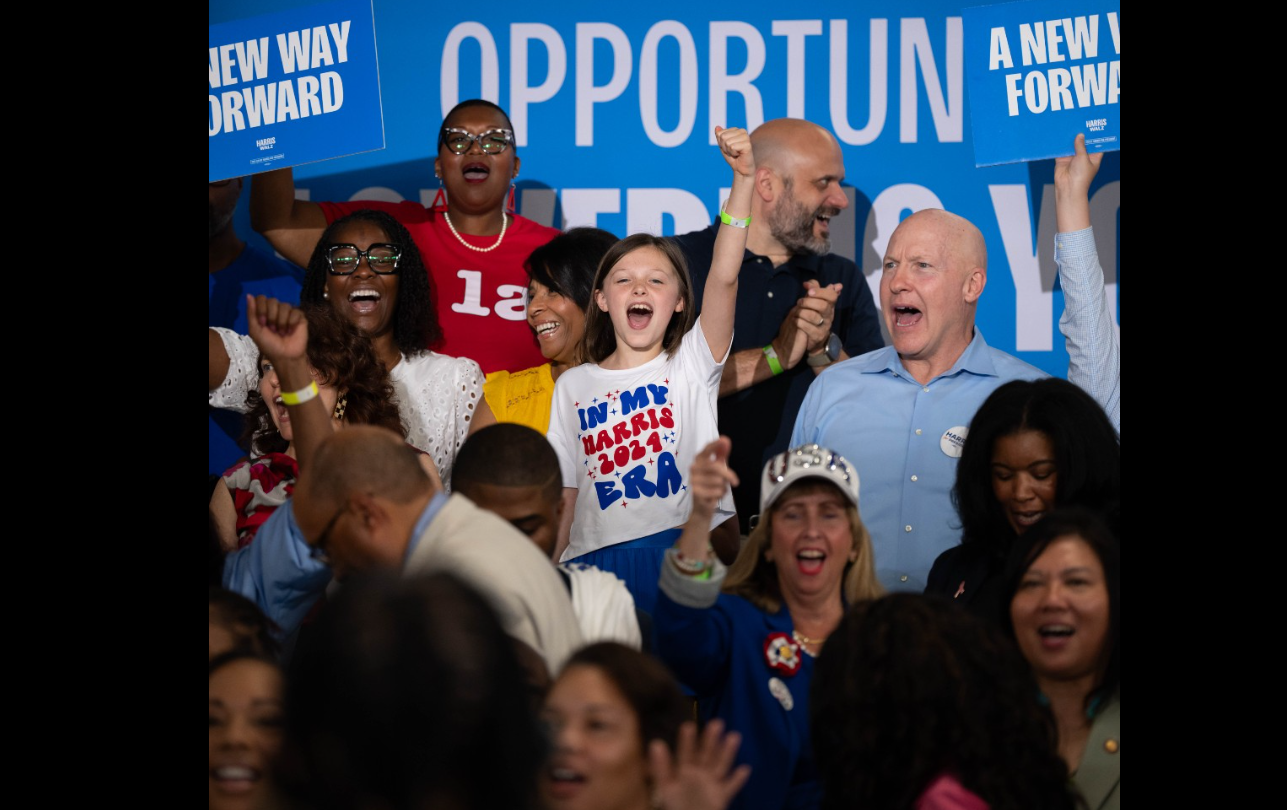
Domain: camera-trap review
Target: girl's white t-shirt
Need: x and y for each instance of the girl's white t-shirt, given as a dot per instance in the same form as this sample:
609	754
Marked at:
626	439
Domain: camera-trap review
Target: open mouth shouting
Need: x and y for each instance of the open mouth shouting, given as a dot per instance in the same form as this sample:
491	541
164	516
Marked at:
476	171
364	301
563	782
1055	636
639	315
907	317
811	560
823	218
283	414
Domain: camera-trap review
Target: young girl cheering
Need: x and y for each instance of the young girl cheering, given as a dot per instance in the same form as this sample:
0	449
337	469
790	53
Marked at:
628	422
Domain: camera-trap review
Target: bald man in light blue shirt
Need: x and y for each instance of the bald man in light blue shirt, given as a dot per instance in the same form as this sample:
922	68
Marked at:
901	414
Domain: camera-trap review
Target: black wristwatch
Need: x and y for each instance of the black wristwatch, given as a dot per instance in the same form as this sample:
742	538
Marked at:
828	355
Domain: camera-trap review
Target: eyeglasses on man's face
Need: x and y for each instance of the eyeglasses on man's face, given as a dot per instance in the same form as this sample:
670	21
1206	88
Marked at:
318	550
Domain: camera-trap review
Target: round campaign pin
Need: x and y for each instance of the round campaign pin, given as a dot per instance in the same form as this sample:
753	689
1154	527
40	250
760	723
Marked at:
779	690
953	441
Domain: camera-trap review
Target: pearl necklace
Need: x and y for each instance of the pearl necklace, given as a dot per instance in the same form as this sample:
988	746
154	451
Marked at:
804	640
504	225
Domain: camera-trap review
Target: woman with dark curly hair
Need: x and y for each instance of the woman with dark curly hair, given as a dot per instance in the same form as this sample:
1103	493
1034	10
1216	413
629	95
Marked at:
1064	586
1031	446
353	385
918	705
367	268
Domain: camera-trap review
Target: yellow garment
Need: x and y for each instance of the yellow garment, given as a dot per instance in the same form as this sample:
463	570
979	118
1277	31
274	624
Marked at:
523	397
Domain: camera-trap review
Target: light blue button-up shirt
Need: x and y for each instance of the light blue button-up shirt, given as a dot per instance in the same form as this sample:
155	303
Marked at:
277	570
904	438
1094	351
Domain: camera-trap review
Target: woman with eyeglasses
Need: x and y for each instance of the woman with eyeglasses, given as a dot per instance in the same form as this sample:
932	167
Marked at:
472	240
366	268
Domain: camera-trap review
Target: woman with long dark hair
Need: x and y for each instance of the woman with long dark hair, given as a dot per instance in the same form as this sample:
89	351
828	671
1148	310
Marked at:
1032	445
366	268
1064	586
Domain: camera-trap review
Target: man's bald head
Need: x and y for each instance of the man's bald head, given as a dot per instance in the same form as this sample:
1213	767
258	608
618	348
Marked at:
367	458
779	144
961	238
360	497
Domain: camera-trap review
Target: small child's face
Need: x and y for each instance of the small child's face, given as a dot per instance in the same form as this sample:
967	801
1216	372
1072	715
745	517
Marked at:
640	294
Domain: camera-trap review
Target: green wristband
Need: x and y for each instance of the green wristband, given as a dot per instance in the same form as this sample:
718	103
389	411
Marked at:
736	223
771	355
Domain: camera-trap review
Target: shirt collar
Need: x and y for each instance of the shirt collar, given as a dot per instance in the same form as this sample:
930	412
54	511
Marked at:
976	359
422	523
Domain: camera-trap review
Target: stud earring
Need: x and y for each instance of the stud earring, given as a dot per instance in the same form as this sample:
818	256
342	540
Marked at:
326	294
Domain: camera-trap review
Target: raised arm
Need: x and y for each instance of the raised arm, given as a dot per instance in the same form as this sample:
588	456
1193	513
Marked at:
1094	350
291	226
1073	176
720	295
281	332
690	636
709	478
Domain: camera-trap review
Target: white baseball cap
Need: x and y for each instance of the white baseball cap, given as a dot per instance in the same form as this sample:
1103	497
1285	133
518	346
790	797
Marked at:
806	461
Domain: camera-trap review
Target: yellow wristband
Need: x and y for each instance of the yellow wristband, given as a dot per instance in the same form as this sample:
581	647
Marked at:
301	396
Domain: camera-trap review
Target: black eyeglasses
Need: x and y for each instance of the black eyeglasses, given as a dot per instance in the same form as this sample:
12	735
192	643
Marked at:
318	550
493	141
381	258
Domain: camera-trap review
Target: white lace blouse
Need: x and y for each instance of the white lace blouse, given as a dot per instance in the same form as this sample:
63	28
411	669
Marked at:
436	394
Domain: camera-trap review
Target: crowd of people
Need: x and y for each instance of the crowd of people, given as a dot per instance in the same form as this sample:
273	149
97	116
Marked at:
688	536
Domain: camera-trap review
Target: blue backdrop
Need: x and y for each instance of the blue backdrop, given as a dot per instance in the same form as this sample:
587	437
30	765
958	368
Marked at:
614	107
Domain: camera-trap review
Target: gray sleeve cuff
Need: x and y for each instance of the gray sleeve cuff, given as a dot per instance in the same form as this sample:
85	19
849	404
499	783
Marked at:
688	591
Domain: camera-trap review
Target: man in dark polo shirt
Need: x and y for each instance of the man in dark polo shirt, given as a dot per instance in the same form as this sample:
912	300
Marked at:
799	308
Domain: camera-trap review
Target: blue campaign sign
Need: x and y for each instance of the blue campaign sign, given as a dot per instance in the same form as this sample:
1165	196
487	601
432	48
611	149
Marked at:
613	107
295	86
1040	72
